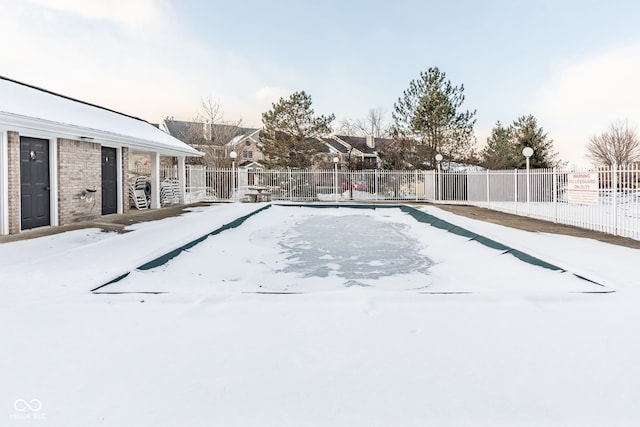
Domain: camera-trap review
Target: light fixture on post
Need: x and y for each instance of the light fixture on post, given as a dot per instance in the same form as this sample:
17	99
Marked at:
528	152
438	160
335	176
233	156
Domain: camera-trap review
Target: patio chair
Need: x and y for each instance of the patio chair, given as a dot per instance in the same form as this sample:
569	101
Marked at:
138	198
167	195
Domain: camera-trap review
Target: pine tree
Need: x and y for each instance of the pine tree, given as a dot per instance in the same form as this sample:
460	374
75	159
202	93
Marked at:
526	133
290	131
505	145
500	150
429	113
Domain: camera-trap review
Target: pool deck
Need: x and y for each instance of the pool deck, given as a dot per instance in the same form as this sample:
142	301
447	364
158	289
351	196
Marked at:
114	222
118	222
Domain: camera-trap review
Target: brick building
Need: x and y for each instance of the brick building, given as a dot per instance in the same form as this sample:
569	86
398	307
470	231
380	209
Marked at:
64	160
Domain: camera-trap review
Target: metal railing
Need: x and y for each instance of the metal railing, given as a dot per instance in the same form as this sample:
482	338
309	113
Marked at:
614	208
538	193
309	185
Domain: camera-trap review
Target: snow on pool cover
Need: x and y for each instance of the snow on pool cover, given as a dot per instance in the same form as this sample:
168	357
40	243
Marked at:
301	249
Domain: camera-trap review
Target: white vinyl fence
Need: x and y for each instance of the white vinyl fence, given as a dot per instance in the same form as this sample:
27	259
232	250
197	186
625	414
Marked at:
539	193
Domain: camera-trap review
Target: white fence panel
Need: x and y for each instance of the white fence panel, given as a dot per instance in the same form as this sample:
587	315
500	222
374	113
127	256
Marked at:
539	193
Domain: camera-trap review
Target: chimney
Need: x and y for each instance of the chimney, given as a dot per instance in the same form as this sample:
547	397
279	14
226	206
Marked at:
371	142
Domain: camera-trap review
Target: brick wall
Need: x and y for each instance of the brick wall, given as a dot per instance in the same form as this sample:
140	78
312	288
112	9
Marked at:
13	140
79	169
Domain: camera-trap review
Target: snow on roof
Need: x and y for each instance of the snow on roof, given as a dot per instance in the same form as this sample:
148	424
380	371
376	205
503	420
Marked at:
22	104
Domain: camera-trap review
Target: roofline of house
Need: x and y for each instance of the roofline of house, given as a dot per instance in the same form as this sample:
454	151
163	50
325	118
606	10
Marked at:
244	138
70	98
19	122
356	149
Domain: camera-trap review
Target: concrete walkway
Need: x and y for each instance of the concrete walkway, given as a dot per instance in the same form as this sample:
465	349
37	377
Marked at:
536	225
115	222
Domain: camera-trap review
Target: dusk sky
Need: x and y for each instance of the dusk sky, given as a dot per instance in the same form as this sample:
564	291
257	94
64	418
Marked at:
574	65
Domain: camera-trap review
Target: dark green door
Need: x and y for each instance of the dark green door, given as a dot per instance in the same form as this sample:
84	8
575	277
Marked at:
109	181
34	183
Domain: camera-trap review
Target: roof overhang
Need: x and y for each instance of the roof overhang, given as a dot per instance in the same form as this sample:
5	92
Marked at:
20	123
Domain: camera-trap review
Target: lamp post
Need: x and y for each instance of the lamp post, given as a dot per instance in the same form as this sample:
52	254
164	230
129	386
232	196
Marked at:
233	156
528	152
438	160
335	176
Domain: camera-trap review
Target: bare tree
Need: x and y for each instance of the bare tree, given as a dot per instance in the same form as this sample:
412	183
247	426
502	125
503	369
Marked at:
374	124
348	127
210	133
619	144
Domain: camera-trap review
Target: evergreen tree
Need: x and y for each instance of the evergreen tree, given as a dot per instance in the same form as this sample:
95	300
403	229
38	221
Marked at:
500	150
290	131
397	154
429	113
526	133
505	145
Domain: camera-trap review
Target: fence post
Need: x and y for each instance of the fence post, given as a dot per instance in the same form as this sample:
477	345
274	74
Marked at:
290	185
415	177
488	189
528	188
515	174
335	180
439	198
375	183
466	196
555	195
614	198
424	180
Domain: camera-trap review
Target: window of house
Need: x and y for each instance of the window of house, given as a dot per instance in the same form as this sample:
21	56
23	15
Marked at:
247	154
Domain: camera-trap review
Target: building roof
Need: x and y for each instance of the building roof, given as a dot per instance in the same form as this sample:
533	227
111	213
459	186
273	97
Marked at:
25	106
358	142
179	129
176	128
340	148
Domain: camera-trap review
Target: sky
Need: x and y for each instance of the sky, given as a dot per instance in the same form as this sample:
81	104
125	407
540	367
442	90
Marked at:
572	64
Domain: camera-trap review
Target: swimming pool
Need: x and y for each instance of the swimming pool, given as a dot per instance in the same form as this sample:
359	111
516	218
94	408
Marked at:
302	249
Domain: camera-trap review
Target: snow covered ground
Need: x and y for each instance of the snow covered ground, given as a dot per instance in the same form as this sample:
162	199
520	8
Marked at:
371	339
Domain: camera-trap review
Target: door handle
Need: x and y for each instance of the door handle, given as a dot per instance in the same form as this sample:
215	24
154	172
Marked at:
46	188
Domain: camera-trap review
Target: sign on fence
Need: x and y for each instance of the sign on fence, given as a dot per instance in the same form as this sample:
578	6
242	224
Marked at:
583	188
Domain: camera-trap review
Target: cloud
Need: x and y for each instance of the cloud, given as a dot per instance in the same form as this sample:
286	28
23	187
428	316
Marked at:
127	12
597	87
585	95
138	57
94	54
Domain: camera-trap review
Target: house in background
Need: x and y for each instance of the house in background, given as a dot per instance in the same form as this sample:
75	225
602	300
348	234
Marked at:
63	160
217	141
247	147
354	152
